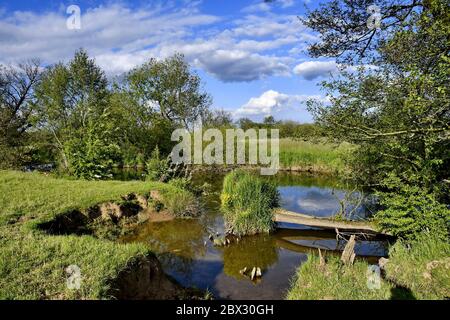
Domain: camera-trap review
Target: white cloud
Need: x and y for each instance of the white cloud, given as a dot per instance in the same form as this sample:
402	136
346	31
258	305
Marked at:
279	105
103	30
253	47
311	70
261	5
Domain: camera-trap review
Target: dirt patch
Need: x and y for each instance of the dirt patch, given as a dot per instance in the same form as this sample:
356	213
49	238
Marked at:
108	214
73	222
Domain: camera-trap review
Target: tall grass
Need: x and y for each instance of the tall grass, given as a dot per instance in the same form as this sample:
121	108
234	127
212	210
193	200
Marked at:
247	203
334	281
319	156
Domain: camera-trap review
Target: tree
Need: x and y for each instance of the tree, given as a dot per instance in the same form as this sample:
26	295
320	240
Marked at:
17	110
245	124
269	121
74	105
343	26
169	88
218	119
399	112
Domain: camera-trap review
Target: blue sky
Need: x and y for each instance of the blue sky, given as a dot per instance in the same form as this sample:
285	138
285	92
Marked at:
250	54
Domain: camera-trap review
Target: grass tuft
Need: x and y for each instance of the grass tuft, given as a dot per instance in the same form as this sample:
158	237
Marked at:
247	202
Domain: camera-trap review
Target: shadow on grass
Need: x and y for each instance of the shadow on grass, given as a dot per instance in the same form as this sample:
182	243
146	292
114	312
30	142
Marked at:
402	293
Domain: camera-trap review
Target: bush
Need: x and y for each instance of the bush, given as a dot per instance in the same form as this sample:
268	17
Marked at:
411	210
156	167
247	202
92	156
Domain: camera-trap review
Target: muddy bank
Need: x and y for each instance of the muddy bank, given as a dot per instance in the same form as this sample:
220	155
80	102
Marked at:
110	219
321	170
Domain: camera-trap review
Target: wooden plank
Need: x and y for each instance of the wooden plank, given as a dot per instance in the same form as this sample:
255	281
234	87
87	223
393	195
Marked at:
281	215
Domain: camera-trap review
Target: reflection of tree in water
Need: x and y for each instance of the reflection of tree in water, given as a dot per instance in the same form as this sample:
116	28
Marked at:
256	251
177	243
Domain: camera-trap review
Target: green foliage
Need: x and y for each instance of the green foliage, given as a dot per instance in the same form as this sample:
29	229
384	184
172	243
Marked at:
169	88
91	157
156	167
411	210
73	101
17	112
247	202
398	114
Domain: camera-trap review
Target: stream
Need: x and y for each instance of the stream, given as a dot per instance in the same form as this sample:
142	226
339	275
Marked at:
187	254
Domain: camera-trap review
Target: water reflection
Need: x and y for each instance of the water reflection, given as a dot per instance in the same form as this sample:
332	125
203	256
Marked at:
177	243
187	254
256	251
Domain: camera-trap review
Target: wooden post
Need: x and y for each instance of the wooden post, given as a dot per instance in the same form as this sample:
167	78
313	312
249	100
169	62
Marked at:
348	255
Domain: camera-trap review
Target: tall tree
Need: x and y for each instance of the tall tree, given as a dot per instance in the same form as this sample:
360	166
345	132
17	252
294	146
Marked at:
17	85
170	88
74	104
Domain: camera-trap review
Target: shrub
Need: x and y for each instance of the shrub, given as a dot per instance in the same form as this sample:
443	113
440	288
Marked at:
410	211
91	156
247	202
156	167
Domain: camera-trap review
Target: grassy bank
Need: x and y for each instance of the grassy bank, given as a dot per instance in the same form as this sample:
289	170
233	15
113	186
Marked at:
316	157
417	270
33	262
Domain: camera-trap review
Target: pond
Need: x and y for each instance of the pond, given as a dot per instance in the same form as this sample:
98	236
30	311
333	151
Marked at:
187	254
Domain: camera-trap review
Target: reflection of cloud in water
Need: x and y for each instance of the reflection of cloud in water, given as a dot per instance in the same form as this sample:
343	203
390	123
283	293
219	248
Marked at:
310	200
320	202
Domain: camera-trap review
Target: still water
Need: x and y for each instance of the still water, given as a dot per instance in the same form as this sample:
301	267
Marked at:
187	254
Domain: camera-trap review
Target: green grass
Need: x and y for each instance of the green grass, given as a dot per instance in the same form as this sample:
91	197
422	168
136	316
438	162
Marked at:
316	157
247	202
32	263
422	265
32	196
417	270
334	282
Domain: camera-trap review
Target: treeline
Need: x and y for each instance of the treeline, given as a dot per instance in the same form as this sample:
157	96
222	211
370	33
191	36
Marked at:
287	128
72	115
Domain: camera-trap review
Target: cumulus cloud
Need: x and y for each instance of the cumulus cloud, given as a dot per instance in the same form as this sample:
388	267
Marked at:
105	29
311	70
251	47
277	104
